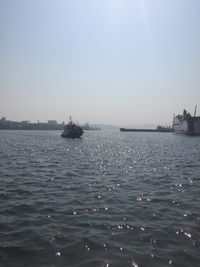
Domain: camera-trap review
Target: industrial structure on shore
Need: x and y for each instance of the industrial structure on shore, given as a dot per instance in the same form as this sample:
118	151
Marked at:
27	125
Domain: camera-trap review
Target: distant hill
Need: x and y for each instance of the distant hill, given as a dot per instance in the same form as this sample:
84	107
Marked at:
106	126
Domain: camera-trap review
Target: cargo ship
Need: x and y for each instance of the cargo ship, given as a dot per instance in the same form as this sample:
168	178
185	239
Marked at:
159	129
186	123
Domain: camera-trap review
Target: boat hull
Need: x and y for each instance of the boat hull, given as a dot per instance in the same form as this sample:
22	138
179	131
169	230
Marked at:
189	126
180	127
158	130
137	130
72	130
71	135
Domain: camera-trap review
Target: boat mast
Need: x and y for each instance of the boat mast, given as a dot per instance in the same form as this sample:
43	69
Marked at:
195	111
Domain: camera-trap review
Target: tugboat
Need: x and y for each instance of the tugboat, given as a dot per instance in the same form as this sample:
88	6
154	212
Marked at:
72	130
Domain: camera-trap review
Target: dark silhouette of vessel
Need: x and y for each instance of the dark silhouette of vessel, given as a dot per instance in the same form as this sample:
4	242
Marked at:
72	130
159	129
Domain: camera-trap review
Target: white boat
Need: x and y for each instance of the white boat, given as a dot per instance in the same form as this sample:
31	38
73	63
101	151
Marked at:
186	123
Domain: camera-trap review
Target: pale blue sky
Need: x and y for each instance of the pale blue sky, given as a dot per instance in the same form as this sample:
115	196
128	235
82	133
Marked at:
103	61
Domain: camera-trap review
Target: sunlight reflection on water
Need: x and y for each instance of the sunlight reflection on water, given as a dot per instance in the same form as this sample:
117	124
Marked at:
108	199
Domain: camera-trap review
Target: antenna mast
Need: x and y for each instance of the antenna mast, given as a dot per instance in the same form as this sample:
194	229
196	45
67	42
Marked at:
195	111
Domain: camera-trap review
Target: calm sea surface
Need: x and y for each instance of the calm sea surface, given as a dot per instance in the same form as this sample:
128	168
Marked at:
108	199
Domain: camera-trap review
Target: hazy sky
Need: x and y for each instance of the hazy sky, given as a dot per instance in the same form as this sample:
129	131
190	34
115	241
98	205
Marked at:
102	61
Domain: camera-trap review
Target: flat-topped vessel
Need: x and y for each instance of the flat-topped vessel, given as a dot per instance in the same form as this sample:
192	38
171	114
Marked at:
72	130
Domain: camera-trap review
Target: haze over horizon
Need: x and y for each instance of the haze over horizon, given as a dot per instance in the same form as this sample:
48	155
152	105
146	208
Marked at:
117	62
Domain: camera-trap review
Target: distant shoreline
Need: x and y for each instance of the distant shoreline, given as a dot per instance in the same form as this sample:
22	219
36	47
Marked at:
26	125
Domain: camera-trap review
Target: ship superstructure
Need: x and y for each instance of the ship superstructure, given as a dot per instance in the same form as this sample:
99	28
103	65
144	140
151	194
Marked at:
186	123
72	130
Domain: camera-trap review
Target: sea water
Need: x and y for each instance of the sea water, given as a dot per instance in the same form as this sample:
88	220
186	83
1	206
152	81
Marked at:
107	199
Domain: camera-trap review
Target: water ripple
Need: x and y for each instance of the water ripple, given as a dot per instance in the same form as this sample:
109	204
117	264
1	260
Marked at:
108	199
